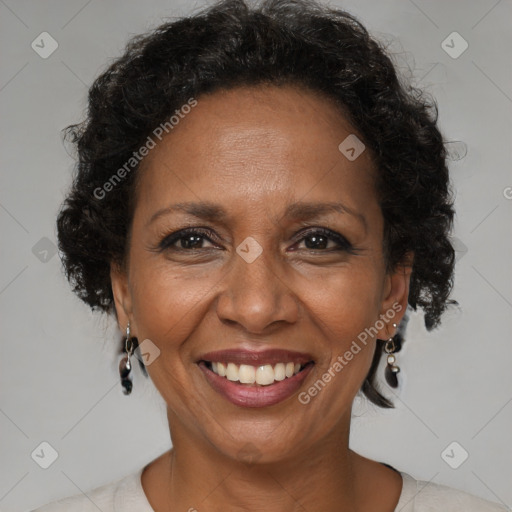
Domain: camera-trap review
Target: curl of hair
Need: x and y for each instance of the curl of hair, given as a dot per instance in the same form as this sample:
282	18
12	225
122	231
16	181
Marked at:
278	42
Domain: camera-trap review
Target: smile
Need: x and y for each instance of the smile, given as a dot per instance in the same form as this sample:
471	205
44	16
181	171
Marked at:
264	375
249	378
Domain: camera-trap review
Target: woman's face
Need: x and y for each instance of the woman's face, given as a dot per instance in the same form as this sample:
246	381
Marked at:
253	169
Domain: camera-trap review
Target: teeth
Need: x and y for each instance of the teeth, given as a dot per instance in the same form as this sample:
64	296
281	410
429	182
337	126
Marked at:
279	371
221	369
263	375
247	374
232	372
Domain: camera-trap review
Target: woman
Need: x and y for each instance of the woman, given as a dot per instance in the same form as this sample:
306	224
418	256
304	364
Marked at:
259	199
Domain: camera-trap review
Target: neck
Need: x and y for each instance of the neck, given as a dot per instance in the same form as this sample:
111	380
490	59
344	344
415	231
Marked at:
323	476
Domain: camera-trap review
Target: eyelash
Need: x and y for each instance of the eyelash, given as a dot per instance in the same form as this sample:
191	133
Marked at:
205	233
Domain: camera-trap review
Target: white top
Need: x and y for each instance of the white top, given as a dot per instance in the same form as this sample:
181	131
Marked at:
127	495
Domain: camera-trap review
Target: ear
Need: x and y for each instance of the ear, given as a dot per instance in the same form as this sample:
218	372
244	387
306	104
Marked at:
122	296
395	296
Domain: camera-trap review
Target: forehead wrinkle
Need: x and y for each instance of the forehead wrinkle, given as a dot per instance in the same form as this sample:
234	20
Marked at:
213	212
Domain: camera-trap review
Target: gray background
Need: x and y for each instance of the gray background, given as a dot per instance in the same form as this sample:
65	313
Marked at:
58	369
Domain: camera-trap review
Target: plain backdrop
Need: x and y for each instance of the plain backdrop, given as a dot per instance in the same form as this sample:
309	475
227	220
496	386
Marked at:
59	381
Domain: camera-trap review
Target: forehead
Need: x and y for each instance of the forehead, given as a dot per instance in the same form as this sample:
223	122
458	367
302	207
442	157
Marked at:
257	144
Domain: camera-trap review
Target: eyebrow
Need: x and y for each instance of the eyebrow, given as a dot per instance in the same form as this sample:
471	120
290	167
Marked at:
302	210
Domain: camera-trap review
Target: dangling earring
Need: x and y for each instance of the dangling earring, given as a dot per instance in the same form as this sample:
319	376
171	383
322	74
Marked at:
391	371
125	365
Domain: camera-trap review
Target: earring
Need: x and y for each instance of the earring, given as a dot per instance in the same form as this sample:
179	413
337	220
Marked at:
391	371
125	365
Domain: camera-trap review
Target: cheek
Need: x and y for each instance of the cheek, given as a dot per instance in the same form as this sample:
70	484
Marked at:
168	301
344	308
346	300
167	308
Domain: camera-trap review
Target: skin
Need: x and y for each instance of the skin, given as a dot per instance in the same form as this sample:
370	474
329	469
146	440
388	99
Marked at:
254	151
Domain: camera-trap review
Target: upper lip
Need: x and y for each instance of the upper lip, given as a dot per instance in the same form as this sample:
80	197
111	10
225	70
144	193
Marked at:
256	358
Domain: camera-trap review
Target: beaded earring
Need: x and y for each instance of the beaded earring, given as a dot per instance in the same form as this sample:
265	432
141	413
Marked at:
392	370
125	365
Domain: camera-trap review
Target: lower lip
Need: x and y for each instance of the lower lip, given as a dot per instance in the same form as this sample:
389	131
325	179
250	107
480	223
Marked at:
244	395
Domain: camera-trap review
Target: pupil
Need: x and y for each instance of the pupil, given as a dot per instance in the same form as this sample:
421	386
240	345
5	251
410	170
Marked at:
190	241
317	242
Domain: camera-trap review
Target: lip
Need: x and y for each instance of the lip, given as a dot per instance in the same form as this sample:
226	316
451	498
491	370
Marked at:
256	358
245	395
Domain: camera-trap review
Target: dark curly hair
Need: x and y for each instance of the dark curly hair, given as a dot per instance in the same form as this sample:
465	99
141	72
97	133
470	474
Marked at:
277	42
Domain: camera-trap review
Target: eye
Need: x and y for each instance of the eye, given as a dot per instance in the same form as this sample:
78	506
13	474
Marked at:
315	240
321	239
188	239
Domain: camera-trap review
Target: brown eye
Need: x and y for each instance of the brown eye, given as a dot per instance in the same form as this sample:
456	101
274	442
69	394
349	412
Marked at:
320	238
316	241
186	239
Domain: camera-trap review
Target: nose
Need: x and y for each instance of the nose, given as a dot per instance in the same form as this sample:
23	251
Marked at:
257	295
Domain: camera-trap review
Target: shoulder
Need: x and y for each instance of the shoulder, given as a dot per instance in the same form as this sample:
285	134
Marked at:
125	494
422	496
